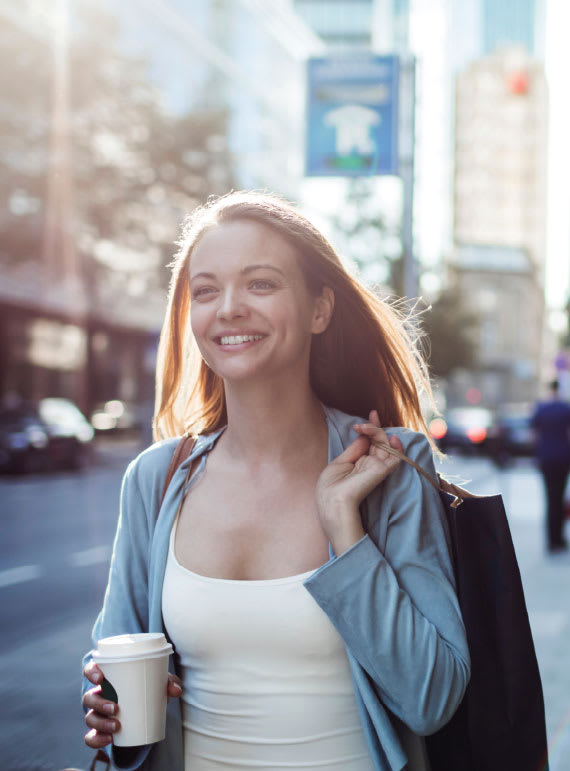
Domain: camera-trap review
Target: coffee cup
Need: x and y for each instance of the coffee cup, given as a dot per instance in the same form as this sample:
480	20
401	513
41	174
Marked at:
136	677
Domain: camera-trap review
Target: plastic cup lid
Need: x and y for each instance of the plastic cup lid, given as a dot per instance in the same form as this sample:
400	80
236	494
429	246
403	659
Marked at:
131	645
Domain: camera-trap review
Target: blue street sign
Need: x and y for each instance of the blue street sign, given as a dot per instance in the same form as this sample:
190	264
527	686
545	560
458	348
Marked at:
352	116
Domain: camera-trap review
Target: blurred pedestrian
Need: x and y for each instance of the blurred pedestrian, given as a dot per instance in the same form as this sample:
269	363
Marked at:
302	574
551	423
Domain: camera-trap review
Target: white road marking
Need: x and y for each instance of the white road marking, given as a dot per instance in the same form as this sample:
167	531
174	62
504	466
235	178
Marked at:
19	575
91	556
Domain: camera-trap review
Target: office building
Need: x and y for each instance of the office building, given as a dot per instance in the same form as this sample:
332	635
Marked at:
499	211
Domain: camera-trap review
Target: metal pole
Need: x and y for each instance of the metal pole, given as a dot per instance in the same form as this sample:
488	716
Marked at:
406	162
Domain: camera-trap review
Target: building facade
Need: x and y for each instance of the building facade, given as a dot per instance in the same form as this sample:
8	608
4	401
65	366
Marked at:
341	25
245	56
501	113
498	285
62	332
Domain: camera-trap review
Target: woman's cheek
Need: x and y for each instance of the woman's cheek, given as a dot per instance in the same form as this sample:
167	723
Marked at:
198	321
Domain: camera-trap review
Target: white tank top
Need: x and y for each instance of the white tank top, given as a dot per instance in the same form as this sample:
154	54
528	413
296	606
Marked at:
266	679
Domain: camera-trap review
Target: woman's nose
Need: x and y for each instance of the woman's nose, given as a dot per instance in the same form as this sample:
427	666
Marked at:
231	305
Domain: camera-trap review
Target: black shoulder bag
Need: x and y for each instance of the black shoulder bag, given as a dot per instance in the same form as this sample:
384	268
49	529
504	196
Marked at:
500	724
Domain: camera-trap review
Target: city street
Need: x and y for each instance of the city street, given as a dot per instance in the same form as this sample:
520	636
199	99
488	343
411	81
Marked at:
55	549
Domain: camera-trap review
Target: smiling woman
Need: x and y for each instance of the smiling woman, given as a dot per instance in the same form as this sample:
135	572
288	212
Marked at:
301	574
262	307
365	334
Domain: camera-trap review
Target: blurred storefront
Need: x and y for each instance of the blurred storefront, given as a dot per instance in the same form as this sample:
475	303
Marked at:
51	344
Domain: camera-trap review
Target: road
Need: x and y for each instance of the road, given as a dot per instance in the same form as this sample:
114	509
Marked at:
57	532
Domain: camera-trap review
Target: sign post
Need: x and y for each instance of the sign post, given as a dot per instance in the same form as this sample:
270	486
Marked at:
360	122
407	142
352	116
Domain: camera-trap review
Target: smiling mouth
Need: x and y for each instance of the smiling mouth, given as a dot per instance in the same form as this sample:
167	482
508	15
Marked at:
238	339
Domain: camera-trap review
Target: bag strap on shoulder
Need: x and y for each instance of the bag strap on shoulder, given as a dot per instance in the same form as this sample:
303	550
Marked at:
444	486
182	451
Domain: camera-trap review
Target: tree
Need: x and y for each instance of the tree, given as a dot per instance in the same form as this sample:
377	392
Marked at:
136	170
369	237
449	331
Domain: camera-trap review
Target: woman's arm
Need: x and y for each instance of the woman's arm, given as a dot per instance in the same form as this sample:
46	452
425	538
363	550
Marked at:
125	605
391	596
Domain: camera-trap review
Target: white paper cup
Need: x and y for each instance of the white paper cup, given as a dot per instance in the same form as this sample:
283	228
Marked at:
136	666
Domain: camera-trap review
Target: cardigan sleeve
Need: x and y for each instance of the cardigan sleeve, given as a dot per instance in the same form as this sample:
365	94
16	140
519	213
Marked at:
125	605
391	597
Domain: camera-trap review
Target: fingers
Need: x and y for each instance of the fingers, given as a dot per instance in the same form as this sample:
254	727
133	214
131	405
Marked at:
372	431
101	721
396	443
92	672
101	717
376	434
93	700
102	726
96	740
174	688
354	451
374	417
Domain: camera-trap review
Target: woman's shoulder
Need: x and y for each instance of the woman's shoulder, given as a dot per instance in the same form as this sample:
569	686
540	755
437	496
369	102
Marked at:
153	462
415	443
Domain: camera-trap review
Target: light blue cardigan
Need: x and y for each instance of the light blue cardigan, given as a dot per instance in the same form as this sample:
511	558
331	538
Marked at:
391	597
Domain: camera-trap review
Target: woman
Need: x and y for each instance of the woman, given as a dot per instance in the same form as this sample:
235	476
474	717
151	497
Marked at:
305	580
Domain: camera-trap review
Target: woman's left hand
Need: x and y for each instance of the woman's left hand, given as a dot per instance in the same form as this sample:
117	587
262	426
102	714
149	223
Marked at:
349	478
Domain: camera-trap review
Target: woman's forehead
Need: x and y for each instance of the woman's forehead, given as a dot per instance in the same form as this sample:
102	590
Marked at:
232	243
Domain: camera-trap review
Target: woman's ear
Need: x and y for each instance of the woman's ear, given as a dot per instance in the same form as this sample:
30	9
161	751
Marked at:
324	306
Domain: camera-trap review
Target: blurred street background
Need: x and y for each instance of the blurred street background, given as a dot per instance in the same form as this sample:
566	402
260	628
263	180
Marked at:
427	138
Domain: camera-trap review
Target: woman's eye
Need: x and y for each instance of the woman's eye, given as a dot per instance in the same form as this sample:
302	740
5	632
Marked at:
262	284
203	290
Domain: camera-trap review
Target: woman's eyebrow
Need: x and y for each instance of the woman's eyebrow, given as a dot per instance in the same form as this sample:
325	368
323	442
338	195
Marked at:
243	271
250	268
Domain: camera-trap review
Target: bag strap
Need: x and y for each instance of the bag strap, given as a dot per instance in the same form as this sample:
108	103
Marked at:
182	451
444	486
187	444
103	757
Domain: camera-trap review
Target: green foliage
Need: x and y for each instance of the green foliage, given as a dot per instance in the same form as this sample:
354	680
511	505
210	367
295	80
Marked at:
135	170
449	334
446	329
369	238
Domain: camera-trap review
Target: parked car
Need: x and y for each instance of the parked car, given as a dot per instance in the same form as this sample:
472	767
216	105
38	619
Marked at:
115	416
24	440
70	433
51	434
467	429
514	434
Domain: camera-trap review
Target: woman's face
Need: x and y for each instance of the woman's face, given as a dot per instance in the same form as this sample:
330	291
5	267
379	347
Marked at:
251	312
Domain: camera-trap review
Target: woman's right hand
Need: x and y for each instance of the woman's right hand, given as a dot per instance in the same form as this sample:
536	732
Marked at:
102	715
101	718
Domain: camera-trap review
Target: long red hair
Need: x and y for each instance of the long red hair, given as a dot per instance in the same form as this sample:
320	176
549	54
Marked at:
366	358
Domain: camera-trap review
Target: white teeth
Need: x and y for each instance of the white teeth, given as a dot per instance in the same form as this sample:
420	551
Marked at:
237	339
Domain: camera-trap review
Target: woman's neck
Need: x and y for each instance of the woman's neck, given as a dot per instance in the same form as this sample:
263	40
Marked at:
269	426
